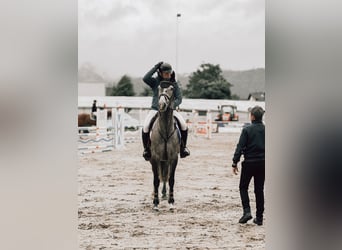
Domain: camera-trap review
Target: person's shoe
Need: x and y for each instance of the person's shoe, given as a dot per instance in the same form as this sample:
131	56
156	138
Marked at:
246	217
258	221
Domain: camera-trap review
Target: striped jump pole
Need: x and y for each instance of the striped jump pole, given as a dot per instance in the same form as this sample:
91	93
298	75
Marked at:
202	128
100	138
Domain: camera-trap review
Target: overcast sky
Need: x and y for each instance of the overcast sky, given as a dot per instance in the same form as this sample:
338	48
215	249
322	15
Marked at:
129	36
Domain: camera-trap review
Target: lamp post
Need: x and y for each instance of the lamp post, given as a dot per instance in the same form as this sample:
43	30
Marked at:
178	15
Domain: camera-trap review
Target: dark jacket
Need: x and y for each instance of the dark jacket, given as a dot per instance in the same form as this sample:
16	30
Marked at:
94	108
251	143
154	82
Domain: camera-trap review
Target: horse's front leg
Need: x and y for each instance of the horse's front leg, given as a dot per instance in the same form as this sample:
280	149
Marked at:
156	187
164	191
171	184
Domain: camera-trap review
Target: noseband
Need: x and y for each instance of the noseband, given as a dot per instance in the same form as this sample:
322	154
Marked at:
166	96
167	99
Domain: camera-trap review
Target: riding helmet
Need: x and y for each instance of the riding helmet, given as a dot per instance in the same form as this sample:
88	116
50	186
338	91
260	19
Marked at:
166	67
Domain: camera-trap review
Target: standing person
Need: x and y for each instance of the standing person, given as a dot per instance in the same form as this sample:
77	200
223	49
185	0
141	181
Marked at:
164	72
94	109
252	146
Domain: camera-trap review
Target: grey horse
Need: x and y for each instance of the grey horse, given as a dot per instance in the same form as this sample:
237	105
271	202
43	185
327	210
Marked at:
164	145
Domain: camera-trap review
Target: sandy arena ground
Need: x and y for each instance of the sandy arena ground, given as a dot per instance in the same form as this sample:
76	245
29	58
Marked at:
115	201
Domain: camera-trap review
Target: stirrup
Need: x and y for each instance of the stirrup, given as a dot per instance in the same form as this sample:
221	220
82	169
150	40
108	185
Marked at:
184	152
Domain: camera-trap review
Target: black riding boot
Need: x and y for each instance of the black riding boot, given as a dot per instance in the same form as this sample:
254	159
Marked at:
246	216
184	151
146	142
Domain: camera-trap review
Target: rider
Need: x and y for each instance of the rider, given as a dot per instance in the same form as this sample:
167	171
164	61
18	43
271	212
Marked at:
165	72
94	109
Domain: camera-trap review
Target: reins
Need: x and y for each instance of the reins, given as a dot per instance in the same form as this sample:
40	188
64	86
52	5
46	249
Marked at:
166	139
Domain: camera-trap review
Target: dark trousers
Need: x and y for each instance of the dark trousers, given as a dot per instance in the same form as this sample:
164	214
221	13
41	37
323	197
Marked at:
256	170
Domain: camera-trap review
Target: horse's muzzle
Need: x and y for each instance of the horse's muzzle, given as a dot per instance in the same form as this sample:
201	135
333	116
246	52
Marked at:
163	104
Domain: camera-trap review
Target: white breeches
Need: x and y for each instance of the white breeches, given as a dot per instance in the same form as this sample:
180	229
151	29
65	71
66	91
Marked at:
151	114
181	120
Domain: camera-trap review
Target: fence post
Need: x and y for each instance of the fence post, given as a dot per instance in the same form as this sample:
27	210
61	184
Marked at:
118	127
101	118
209	125
195	120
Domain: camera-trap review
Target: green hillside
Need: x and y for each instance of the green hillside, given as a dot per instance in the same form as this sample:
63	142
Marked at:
244	81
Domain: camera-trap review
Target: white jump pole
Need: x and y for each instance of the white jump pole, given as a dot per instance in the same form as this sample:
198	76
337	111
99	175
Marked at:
97	141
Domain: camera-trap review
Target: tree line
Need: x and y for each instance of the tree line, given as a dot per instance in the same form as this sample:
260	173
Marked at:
207	82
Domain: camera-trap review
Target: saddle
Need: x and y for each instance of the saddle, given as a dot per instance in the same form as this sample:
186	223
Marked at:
176	125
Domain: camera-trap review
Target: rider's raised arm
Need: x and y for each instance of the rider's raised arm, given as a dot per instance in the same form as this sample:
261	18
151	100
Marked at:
148	79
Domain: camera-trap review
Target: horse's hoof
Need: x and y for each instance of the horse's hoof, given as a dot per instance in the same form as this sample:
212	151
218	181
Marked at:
164	197
172	207
155	208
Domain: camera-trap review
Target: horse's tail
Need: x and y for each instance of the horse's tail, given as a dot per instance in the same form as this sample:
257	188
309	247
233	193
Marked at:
164	171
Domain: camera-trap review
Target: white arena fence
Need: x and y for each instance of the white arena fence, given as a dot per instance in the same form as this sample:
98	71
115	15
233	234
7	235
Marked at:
108	135
205	128
197	125
102	138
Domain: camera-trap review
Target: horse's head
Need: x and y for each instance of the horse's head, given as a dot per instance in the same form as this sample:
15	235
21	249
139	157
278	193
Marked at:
165	95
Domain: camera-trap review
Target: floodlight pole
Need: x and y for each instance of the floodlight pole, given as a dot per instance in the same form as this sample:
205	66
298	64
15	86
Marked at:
178	15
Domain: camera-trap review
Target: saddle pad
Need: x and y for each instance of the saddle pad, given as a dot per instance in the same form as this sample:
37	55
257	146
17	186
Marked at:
178	132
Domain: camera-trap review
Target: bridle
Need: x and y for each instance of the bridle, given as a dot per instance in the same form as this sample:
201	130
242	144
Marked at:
167	100
169	134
